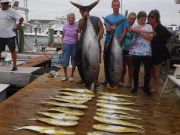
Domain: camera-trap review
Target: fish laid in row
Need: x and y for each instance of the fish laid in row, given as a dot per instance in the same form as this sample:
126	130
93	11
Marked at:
116	122
66	111
61	116
57	122
116	129
46	130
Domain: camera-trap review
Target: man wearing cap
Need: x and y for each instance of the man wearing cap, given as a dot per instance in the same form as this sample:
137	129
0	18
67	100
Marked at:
8	27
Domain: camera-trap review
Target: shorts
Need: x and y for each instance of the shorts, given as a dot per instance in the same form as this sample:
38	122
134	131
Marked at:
10	42
69	51
125	53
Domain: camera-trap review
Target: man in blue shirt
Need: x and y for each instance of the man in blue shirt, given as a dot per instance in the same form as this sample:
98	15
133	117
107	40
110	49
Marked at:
120	28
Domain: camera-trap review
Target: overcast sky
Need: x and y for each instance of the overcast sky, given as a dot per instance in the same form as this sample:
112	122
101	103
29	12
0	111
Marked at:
50	9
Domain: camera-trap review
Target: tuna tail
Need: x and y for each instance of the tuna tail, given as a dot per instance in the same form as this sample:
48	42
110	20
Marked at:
116	23
86	8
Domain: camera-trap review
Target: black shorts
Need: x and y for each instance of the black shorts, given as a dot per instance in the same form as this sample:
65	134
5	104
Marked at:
10	42
125	52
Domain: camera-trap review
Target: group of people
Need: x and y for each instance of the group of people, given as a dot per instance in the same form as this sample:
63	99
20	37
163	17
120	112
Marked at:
144	42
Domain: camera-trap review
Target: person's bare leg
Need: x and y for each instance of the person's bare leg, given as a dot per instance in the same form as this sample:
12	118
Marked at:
14	58
65	73
72	72
156	77
123	70
130	70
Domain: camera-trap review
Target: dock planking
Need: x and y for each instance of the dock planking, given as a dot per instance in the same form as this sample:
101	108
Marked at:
43	61
160	115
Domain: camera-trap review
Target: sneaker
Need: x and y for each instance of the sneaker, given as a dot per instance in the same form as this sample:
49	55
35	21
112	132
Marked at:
64	79
71	79
14	69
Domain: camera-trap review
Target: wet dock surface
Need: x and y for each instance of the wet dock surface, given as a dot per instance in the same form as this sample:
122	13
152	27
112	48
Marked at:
161	116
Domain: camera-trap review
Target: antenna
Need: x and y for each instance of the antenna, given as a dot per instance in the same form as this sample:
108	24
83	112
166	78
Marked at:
27	11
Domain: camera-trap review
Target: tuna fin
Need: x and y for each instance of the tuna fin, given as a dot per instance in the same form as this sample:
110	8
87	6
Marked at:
86	8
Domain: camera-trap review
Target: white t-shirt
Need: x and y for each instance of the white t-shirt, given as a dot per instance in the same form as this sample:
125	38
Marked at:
8	20
141	46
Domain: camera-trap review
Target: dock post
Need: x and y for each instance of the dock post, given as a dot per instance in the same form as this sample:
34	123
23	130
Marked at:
51	37
35	31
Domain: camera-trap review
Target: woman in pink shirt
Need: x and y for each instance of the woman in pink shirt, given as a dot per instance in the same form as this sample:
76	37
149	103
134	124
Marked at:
69	38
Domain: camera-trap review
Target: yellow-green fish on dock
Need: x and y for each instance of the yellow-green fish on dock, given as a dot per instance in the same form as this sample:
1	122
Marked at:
70	105
67	111
77	101
117	116
116	122
61	116
98	133
116	129
79	90
114	94
114	102
105	110
46	130
76	94
118	107
113	98
57	122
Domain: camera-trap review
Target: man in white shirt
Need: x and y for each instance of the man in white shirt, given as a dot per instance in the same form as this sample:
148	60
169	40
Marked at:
8	27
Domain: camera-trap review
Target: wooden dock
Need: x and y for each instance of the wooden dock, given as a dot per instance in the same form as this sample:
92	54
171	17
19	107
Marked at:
160	115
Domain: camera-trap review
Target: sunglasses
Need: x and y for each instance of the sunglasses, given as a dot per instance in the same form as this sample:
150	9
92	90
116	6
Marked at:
152	17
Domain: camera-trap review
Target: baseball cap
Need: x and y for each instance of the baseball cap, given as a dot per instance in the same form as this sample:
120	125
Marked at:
4	1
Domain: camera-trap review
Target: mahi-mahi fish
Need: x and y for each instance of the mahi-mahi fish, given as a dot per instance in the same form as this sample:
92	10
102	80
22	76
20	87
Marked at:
117	107
46	130
79	90
115	102
66	111
98	133
116	129
116	122
57	122
70	105
61	116
113	61
88	49
113	111
77	101
73	97
117	116
76	94
114	94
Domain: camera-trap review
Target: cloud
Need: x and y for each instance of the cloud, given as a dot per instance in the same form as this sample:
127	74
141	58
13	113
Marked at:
49	9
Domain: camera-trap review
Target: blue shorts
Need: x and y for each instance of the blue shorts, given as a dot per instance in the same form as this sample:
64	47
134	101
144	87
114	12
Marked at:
69	51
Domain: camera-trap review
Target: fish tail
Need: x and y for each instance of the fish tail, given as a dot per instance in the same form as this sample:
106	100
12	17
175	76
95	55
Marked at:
33	119
16	128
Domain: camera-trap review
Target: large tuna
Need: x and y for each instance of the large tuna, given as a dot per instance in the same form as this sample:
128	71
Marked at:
113	58
88	50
